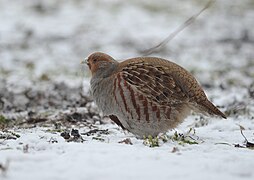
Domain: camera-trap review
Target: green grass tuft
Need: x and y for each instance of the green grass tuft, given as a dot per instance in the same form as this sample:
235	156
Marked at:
3	121
151	141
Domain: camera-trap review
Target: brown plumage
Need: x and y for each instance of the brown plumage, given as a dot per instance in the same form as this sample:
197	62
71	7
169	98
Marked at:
146	95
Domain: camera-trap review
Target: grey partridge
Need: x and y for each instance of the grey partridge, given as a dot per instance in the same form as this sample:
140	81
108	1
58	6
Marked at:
146	95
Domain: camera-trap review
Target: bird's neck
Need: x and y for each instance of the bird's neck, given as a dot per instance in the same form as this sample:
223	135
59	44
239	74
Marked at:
105	71
102	90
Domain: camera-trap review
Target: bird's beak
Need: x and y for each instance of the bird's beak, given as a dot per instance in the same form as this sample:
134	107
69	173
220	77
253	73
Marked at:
84	61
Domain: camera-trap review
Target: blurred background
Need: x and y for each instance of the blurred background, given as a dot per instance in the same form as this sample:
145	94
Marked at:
43	42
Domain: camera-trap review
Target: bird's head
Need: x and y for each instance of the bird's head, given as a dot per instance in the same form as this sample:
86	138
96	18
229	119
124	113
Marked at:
100	63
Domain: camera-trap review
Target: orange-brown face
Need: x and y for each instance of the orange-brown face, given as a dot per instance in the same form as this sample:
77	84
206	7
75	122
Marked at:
96	59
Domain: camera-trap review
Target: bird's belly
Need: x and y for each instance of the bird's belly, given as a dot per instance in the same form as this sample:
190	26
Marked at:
142	128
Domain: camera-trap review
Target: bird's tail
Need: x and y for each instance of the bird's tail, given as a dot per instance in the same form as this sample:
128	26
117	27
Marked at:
207	108
211	109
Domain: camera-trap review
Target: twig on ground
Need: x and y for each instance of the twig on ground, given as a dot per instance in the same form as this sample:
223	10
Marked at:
248	144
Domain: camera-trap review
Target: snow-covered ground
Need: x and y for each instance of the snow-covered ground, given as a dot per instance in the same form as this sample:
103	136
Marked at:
43	86
36	155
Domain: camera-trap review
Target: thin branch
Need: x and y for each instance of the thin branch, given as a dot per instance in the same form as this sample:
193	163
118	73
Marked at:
178	30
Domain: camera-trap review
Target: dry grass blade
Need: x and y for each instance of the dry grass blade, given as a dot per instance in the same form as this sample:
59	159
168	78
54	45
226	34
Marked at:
248	144
178	30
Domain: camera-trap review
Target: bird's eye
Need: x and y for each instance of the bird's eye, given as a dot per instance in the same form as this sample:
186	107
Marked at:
94	60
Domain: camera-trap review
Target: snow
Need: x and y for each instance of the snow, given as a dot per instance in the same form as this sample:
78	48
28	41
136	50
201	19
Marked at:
111	160
49	38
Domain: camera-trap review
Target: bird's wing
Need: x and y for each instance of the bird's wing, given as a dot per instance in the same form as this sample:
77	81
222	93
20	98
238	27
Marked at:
166	83
155	80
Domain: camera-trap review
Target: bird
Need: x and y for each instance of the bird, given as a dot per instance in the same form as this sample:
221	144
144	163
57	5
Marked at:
146	95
